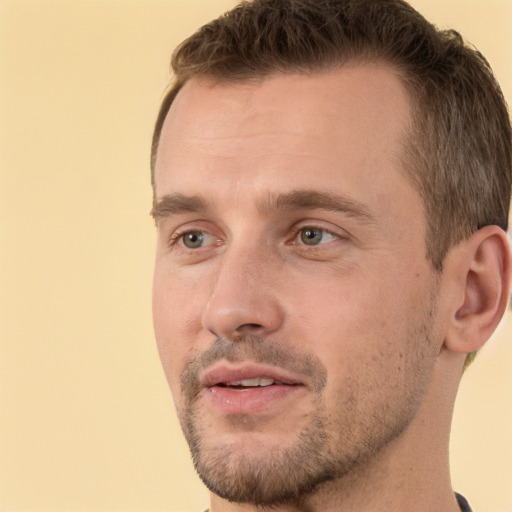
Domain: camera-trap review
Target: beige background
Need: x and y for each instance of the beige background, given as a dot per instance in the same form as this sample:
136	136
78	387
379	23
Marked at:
86	420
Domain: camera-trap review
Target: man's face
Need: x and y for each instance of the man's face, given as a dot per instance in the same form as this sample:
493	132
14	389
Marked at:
294	308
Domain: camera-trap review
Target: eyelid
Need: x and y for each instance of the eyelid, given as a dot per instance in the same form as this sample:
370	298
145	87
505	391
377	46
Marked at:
176	237
338	234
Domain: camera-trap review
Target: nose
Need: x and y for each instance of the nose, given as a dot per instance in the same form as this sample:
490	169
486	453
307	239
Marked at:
244	296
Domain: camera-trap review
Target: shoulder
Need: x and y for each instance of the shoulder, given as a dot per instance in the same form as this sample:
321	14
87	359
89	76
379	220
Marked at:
463	503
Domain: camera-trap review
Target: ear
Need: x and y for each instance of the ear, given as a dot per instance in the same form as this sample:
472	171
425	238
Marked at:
482	265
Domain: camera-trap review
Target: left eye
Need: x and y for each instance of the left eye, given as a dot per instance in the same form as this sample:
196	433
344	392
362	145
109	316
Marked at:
314	236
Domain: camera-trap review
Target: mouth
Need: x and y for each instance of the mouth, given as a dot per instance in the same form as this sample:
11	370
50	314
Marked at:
250	383
248	389
248	376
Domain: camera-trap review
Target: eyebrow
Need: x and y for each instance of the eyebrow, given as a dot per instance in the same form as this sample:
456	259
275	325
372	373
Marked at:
175	204
314	199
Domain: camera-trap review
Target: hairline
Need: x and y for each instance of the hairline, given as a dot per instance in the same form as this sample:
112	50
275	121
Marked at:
175	87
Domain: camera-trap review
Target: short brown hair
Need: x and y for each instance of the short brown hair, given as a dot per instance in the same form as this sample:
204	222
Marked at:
459	154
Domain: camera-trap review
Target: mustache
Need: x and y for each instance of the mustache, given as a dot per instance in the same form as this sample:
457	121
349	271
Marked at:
257	349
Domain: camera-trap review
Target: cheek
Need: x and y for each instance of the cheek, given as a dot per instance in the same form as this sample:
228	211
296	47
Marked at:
175	322
343	308
368	320
379	367
178	302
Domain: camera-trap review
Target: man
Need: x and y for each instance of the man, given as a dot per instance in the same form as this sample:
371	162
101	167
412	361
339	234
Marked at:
331	188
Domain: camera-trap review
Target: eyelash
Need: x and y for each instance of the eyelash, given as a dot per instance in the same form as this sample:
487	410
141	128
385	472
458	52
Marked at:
304	228
179	235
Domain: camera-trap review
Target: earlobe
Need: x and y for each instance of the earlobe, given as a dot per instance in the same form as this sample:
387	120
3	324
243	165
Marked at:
484	265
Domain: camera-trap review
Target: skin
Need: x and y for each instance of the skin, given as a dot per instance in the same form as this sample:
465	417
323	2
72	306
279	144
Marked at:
363	306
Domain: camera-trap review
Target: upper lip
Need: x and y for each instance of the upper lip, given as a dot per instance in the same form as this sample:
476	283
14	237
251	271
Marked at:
228	374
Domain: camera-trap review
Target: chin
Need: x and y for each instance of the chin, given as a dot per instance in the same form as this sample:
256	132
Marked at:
252	469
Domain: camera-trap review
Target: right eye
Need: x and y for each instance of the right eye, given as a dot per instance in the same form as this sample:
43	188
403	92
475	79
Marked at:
195	239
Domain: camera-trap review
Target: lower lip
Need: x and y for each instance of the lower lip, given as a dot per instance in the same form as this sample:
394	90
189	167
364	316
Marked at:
248	401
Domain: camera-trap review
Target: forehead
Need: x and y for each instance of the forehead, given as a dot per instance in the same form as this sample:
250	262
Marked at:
357	93
344	127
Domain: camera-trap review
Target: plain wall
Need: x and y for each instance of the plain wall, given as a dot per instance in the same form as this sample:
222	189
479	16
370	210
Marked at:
86	420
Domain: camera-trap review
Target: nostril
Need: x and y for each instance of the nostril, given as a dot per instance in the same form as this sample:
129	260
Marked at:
253	326
249	327
244	331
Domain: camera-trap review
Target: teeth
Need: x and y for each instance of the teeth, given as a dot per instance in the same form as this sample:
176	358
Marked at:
254	382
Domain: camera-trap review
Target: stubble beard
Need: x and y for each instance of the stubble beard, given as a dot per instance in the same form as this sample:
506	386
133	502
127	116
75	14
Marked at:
270	476
328	447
